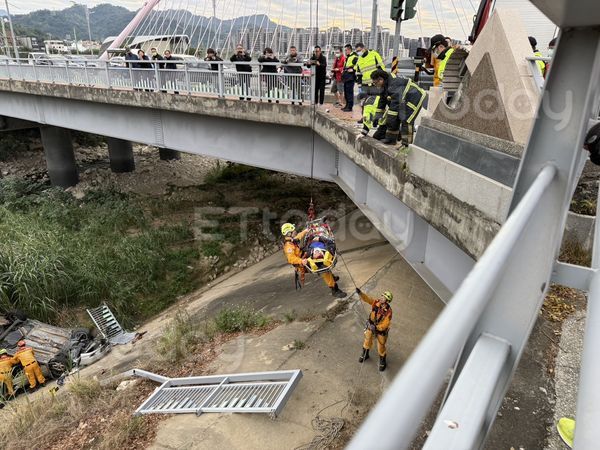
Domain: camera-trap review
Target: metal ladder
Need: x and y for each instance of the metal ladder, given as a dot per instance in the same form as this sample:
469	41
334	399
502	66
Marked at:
483	330
261	392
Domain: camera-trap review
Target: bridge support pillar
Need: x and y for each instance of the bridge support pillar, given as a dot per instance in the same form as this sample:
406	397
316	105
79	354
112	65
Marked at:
60	158
167	154
120	153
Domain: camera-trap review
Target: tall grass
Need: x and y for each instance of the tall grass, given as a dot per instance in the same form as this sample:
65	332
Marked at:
57	252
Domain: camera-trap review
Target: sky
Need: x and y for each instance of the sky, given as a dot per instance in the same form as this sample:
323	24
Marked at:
451	17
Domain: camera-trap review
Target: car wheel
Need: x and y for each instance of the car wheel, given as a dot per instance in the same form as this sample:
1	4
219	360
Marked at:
80	335
58	365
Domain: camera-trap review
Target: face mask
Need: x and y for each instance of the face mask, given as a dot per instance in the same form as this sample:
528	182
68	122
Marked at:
338	55
360	53
550	52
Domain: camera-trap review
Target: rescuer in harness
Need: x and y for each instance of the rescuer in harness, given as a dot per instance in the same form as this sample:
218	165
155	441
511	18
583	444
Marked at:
300	260
404	99
27	359
6	364
377	325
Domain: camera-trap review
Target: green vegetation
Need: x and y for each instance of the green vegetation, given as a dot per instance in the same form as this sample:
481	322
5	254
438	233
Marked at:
178	336
289	317
58	252
298	344
239	318
14	142
85	414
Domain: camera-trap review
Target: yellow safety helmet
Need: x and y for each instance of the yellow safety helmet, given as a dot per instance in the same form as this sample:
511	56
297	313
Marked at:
388	296
3	351
287	228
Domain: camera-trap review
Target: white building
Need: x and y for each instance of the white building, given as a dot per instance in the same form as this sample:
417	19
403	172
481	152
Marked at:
55	46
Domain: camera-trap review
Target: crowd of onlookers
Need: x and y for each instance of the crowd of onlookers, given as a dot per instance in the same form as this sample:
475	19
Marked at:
269	67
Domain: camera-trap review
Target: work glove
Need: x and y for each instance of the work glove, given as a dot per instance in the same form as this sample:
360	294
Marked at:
372	327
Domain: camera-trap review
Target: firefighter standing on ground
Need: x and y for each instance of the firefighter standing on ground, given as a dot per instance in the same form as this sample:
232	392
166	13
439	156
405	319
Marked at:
6	364
378	325
27	359
293	253
404	99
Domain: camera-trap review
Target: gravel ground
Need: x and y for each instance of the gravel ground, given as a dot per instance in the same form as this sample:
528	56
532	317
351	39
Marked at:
568	364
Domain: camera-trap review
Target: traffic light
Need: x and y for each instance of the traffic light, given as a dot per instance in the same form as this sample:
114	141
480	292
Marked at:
403	9
409	9
396	12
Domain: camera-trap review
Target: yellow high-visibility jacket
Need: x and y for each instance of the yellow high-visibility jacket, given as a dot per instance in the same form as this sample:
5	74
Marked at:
367	63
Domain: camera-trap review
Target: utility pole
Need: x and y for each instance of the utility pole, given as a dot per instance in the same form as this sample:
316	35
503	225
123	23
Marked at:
401	10
373	39
396	44
12	31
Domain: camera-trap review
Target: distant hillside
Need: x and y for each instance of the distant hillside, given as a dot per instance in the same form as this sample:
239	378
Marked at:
108	20
105	20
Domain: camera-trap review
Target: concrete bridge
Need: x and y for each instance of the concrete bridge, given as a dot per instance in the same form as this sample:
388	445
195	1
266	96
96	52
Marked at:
438	213
444	204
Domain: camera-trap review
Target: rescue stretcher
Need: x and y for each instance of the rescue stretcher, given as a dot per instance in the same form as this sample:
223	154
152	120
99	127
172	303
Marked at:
318	247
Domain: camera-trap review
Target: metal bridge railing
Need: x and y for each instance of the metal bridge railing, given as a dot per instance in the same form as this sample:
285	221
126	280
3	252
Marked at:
216	78
480	336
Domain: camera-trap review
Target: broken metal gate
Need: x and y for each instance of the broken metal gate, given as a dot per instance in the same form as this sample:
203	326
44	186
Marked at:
109	326
261	392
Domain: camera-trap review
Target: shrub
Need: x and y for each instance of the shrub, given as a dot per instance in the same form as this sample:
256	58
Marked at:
177	337
239	318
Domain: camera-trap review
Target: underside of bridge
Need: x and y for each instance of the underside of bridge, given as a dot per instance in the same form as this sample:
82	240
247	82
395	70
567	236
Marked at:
278	138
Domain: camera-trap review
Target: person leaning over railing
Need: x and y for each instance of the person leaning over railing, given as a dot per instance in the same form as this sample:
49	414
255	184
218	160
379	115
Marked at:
294	81
269	71
244	70
212	56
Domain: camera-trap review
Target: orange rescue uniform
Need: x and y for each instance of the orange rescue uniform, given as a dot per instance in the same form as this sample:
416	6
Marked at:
381	319
293	253
32	368
6	365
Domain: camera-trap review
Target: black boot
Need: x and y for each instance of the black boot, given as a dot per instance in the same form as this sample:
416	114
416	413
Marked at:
364	356
380	132
382	363
335	278
337	292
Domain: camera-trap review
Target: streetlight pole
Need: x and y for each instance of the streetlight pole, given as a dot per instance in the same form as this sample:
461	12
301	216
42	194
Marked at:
12	31
373	39
87	17
5	37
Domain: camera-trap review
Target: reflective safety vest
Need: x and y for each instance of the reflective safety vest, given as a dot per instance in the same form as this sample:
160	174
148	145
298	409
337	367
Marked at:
351	60
541	64
413	88
367	63
443	62
373	109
